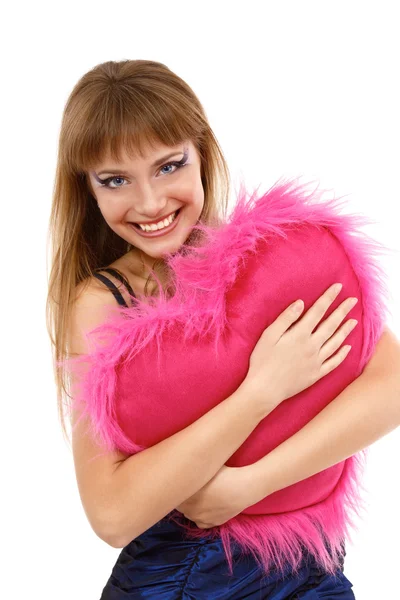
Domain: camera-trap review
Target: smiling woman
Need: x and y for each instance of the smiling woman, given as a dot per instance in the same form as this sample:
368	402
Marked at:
164	389
144	196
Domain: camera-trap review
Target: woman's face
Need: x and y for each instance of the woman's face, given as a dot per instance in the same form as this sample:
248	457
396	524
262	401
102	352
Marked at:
152	188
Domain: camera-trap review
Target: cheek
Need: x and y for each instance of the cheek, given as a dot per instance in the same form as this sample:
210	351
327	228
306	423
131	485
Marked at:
190	191
111	212
199	194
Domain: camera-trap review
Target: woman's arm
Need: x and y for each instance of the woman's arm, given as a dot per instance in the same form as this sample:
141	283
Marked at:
366	410
363	412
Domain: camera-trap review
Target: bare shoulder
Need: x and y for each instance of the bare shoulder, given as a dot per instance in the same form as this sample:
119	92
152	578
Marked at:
90	306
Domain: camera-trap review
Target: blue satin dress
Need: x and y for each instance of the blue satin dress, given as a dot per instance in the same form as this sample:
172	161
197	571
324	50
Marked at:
163	564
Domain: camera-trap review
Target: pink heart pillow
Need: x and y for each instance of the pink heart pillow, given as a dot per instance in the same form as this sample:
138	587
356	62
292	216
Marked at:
169	362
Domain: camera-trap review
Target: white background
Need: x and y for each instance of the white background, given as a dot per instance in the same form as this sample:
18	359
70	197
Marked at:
290	88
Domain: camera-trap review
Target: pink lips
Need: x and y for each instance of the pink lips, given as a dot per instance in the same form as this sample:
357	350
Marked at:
165	230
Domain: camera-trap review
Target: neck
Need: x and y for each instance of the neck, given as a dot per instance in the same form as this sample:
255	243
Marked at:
140	264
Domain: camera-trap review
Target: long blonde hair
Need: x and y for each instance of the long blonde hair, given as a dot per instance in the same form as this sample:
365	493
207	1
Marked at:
116	106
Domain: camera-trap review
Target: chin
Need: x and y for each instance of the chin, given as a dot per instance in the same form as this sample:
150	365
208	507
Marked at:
157	255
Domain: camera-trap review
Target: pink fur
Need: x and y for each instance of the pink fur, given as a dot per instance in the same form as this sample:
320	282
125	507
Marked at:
208	280
276	541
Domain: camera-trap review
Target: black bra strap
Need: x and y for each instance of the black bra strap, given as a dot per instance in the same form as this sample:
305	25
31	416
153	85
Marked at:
121	278
112	287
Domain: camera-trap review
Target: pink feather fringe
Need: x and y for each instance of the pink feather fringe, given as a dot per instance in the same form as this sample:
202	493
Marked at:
203	276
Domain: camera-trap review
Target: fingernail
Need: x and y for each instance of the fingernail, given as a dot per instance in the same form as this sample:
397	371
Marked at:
337	287
297	306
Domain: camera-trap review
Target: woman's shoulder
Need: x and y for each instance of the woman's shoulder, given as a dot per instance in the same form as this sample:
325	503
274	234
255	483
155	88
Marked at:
94	291
90	308
90	293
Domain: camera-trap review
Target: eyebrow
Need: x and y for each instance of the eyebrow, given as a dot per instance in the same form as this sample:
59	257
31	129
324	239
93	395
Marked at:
155	164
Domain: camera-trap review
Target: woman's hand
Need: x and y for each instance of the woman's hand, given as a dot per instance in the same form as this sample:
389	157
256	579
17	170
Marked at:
222	498
289	358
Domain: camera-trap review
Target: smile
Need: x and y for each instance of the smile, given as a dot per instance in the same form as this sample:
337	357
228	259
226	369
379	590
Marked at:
162	229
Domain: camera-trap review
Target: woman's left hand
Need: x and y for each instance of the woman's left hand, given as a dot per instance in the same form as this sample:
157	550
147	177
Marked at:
222	498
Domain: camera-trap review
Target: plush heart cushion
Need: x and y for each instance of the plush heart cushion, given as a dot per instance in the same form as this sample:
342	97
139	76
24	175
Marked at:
161	366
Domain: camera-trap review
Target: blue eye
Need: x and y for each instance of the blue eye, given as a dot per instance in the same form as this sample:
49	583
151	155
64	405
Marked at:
112	179
178	164
168	165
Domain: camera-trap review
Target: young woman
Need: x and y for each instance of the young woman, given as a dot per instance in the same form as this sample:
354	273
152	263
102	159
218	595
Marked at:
136	148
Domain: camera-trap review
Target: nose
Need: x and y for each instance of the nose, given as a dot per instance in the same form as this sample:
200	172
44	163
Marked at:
149	205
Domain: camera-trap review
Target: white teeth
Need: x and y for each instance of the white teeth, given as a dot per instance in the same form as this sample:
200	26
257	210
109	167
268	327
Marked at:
167	221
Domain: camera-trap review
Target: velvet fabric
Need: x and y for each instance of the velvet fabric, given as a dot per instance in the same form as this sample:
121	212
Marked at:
156	367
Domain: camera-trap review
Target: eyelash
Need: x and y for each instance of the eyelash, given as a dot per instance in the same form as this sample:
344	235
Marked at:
178	164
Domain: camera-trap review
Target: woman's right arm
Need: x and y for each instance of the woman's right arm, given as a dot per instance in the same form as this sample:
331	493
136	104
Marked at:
125	495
